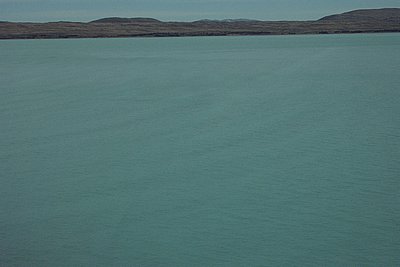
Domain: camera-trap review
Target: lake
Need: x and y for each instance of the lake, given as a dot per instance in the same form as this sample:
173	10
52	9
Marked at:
203	151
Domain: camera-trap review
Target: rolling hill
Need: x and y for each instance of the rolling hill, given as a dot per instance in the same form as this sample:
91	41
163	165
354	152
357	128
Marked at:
357	21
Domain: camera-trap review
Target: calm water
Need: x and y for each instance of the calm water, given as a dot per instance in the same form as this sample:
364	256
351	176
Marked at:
221	151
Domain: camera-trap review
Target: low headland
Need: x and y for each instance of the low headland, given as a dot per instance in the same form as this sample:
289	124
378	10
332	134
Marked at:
357	21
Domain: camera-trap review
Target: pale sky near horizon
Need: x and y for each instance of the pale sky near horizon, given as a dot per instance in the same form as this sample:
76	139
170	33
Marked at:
180	10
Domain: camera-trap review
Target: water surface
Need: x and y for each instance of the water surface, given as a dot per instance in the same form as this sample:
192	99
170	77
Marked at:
211	151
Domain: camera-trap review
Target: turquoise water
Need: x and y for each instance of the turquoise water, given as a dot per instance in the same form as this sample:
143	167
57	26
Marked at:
212	151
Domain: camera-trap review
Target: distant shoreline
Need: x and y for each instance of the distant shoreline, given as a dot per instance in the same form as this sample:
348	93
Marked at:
384	20
188	36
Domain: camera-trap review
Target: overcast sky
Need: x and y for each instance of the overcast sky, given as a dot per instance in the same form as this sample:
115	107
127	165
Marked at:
180	10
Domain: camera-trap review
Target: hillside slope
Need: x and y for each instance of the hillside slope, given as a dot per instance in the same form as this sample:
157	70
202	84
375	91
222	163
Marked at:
384	14
358	21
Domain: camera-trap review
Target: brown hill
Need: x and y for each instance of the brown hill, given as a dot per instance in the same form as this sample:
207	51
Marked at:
126	20
358	21
383	14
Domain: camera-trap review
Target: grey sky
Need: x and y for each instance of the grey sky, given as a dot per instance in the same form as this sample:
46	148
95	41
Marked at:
180	10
